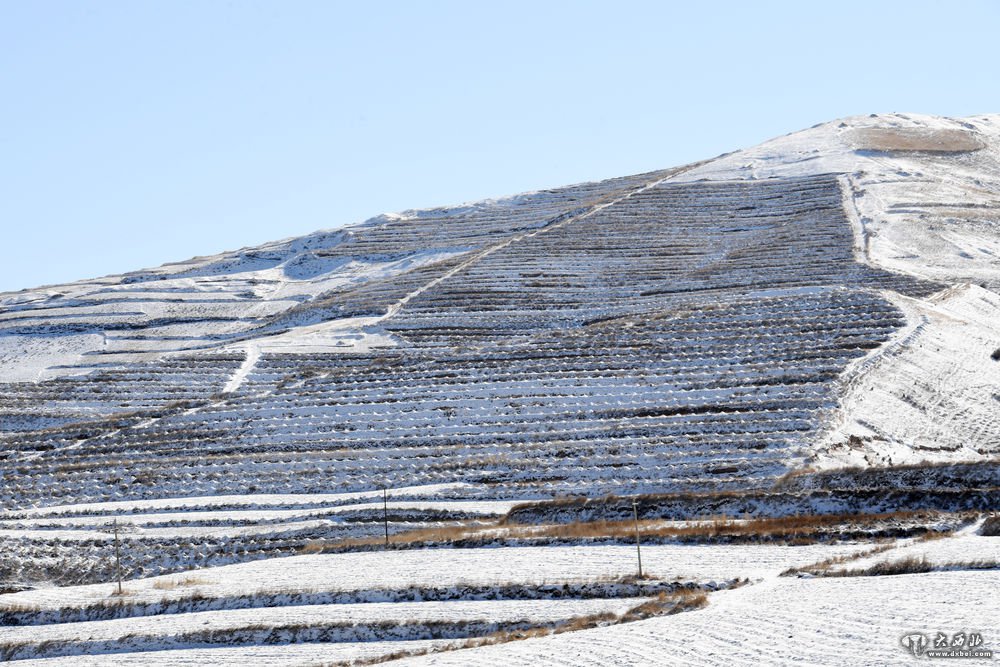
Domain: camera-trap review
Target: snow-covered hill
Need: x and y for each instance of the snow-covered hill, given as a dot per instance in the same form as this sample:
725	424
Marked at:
752	323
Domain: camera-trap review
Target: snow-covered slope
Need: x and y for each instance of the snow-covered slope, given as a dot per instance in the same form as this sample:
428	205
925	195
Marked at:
724	333
923	196
711	326
929	395
201	303
925	190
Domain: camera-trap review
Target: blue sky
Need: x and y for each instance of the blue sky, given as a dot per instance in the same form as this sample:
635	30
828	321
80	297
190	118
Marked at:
135	133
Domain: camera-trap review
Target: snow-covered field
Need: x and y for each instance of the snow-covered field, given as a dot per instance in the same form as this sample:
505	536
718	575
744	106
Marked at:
171	523
852	621
392	570
282	581
281	655
251	501
354	623
772	619
963	551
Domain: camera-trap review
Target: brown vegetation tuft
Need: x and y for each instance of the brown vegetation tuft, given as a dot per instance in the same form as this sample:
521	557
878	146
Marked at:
909	565
921	140
171	584
824	565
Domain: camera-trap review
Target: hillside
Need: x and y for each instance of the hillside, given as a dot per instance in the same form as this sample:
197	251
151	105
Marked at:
807	327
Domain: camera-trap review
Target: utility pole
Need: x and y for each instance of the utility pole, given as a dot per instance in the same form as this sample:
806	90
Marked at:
385	515
118	558
638	549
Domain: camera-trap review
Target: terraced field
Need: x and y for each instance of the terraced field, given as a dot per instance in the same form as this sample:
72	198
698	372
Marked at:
713	340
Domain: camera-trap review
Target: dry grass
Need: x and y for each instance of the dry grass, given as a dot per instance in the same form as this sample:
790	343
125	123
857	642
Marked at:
795	530
908	565
935	535
913	565
18	608
312	547
791	475
666	603
921	140
713	528
171	584
419	536
825	565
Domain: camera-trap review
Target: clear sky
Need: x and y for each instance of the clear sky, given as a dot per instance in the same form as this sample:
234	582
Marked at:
136	133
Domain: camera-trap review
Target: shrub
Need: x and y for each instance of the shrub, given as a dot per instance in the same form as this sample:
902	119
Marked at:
991	527
910	565
914	565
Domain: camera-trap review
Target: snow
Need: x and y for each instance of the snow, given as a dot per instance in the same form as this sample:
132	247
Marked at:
845	621
922	196
473	506
223	523
928	213
772	620
928	395
362	334
931	210
252	350
160	628
28	358
451	567
249	500
281	655
963	548
228	294
353	334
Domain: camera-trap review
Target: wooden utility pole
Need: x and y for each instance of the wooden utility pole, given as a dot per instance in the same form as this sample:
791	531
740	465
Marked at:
638	549
118	558
385	515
